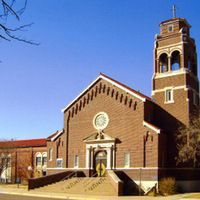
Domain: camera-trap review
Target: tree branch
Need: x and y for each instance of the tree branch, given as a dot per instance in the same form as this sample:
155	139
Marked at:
7	33
9	9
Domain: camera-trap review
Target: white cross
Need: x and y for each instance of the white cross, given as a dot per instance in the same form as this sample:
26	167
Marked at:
174	11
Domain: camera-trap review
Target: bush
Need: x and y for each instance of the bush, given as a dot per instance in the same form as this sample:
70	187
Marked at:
167	186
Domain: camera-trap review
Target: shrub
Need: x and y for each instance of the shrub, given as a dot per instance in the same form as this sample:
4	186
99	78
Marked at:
167	186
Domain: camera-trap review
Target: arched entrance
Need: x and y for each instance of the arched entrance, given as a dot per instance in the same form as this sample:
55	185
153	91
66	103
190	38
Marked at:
100	162
100	149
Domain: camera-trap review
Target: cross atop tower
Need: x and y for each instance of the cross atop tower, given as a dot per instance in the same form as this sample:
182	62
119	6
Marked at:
174	11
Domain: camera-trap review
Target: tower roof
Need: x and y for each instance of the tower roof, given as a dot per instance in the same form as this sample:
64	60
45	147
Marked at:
177	19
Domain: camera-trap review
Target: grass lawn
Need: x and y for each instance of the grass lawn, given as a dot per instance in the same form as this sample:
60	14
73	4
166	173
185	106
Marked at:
196	195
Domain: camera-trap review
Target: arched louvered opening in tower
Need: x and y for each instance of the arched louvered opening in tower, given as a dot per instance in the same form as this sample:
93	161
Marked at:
175	60
163	63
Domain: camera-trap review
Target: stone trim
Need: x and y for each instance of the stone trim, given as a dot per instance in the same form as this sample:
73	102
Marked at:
151	126
185	87
170	73
174	73
108	147
57	135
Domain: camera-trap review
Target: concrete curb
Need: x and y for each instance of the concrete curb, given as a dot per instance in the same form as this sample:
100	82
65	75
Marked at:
51	195
77	197
58	196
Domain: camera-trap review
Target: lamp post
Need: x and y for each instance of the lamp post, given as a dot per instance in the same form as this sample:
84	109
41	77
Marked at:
140	184
30	170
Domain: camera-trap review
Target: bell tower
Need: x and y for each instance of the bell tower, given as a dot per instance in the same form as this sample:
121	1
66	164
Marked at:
175	80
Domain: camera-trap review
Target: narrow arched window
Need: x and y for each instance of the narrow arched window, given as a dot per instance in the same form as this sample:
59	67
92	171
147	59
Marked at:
38	159
44	159
76	161
50	154
163	62
175	60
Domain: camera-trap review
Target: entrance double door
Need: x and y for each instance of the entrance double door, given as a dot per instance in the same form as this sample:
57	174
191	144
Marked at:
100	163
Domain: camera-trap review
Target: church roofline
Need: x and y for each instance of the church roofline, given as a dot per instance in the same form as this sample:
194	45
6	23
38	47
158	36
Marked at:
127	89
130	90
55	135
41	142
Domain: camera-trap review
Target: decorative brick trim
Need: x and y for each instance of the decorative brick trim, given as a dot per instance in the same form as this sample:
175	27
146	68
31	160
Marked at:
113	82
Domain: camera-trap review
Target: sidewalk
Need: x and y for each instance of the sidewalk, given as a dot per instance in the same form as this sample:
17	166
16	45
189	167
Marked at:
22	190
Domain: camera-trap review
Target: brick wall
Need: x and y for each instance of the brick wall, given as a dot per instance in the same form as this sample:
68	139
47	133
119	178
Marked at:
178	80
59	150
21	158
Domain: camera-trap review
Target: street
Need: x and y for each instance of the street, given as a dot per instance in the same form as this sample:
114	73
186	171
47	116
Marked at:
22	197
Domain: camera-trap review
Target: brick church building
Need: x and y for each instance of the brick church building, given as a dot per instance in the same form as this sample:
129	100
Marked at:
112	127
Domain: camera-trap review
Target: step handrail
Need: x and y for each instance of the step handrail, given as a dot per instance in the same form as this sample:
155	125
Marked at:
69	175
94	174
46	180
89	180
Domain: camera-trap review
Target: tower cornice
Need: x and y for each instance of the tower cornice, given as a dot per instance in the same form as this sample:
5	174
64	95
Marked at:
169	21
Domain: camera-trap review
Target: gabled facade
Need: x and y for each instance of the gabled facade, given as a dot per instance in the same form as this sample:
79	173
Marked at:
110	120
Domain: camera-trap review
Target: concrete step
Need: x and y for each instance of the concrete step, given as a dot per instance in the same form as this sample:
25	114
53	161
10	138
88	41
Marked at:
82	185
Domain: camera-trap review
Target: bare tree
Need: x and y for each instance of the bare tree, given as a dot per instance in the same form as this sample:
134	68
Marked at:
5	164
188	143
11	158
8	9
23	174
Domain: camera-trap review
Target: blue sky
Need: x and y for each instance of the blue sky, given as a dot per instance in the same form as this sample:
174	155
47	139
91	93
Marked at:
79	39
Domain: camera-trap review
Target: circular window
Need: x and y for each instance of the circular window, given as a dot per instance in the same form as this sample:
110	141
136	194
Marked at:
100	120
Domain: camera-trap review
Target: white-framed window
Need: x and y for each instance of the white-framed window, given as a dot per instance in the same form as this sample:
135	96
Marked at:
5	160
5	172
38	159
59	162
169	96
127	160
76	161
50	154
44	159
170	28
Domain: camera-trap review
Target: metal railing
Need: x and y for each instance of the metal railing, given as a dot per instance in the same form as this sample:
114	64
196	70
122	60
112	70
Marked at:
72	174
